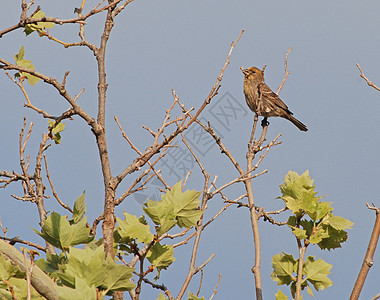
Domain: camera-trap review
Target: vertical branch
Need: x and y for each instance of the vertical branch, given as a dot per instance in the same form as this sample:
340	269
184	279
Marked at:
24	10
141	276
368	260
28	272
302	251
40	188
109	186
256	269
38	180
253	148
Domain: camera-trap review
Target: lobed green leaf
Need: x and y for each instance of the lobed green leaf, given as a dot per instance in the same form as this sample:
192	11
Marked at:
21	62
161	256
79	209
133	228
58	232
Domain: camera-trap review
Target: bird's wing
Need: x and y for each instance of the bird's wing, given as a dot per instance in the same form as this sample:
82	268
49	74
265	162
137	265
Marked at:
267	93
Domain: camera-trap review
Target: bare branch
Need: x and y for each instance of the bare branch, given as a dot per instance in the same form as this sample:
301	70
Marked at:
185	241
4	229
368	259
53	189
216	287
173	236
215	89
366	79
126	137
16	239
204	264
265	215
12	177
60	88
286	71
200	283
80	20
161	287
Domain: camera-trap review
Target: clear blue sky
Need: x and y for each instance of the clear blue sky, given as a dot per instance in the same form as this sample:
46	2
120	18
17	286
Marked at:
159	45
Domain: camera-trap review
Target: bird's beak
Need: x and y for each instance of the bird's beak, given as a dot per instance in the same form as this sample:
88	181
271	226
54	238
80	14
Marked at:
245	72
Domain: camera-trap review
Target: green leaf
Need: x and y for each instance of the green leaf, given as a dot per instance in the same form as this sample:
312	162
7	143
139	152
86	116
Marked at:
117	277
283	268
310	291
162	214
21	62
58	232
308	226
92	267
132	228
51	264
320	210
296	185
193	297
318	236
57	131
7	270
334	239
186	205
79	209
338	223
20	290
86	264
161	297
161	256
82	291
174	208
281	296
316	272
292	221
38	26
299	195
299	233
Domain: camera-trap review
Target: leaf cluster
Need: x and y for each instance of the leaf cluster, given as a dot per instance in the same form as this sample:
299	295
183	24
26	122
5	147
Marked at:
285	268
86	273
176	208
311	222
38	26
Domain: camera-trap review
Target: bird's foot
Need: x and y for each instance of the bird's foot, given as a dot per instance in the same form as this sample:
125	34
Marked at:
265	122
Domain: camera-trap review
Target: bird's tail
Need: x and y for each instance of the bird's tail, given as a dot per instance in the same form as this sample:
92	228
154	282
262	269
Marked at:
299	124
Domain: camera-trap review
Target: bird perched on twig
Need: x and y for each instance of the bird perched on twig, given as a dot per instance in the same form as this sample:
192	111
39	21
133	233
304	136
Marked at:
263	101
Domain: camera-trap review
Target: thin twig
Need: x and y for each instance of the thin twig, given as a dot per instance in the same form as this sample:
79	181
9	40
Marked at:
173	236
28	272
200	283
161	287
368	259
80	20
185	241
216	287
286	71
65	206
265	215
15	240
366	79
4	229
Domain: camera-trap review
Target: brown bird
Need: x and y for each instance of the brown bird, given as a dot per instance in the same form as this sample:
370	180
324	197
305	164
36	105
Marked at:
263	101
